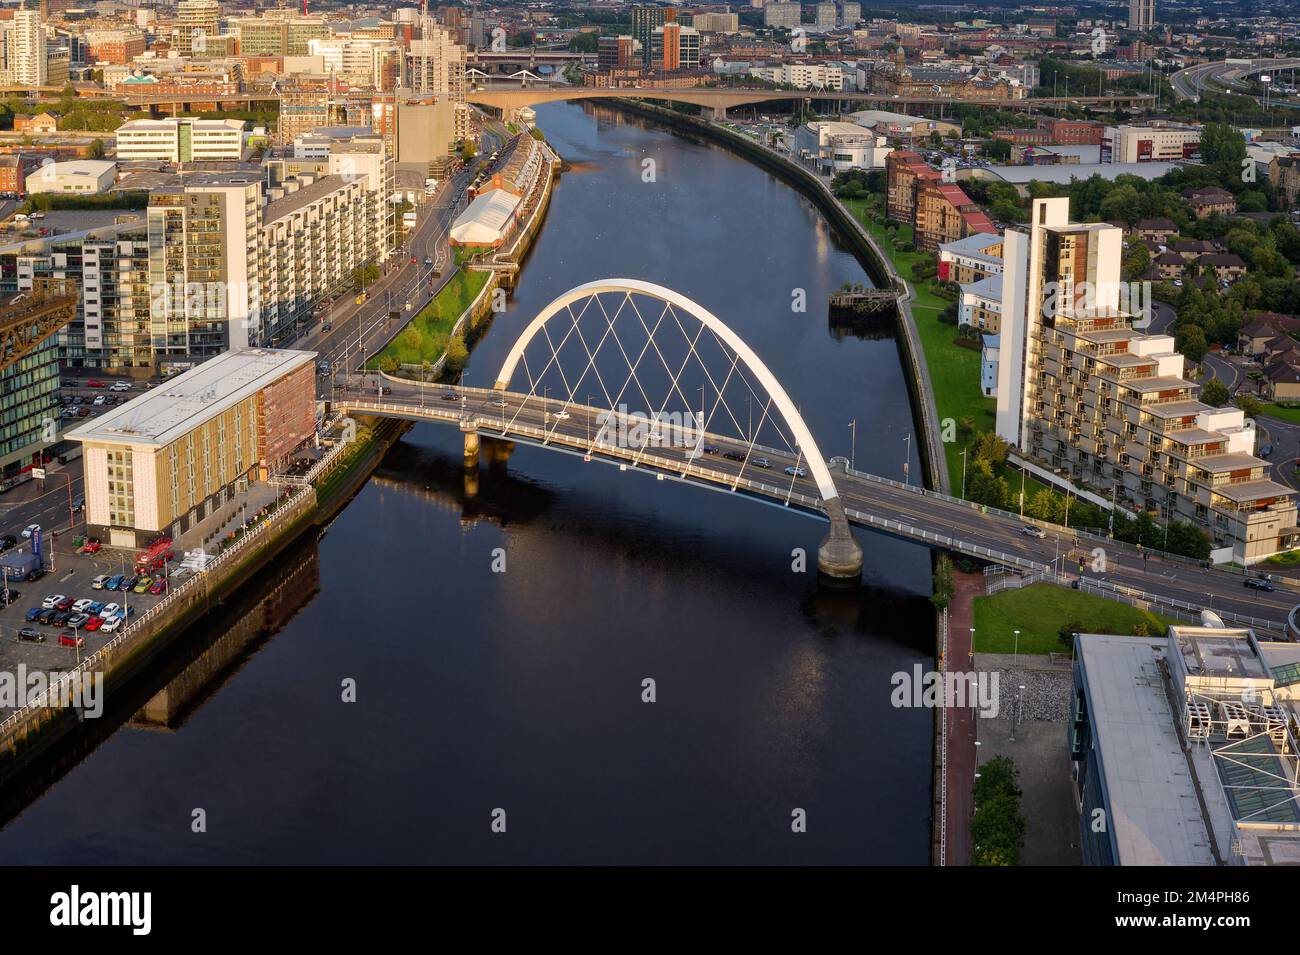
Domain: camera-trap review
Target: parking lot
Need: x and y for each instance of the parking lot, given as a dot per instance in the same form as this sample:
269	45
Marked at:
73	581
86	397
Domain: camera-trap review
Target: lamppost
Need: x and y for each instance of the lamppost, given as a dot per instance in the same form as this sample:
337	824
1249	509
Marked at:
907	460
853	443
970	655
1016	650
963	472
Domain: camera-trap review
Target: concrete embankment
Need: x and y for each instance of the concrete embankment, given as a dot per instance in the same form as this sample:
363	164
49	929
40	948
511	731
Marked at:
31	731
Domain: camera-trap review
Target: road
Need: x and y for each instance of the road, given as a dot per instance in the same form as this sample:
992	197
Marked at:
1209	77
871	498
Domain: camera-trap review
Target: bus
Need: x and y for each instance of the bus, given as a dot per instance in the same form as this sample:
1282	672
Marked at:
155	556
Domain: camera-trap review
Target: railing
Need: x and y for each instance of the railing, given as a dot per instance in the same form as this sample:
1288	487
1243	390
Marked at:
296	502
943	738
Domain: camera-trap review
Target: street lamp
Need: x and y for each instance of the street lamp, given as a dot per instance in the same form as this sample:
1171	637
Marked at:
971	650
1016	651
963	472
907	460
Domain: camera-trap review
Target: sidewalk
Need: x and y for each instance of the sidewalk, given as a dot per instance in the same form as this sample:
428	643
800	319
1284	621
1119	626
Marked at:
962	731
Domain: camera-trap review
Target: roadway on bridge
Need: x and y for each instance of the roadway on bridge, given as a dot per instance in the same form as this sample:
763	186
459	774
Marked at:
864	497
1191	82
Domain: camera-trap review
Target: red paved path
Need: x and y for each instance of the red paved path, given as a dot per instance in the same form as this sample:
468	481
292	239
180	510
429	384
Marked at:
961	721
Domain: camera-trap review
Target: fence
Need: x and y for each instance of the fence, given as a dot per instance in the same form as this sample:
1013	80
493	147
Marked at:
297	502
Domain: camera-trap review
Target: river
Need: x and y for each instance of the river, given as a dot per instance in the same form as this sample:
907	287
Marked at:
522	691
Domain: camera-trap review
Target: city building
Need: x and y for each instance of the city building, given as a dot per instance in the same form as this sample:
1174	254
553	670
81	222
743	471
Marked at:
1141	14
162	462
1284	175
304	106
825	16
833	147
989	365
181	140
278	33
14	169
903	169
645	20
804	76
1211	201
114	46
716	22
675	47
1085	395
980	304
850	14
970	259
82	176
944	213
1185	745
437	65
29	385
25	49
901	129
197	21
782	16
1167	143
617	52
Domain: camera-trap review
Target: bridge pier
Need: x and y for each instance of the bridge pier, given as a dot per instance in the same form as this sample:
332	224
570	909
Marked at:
717	113
839	555
471	444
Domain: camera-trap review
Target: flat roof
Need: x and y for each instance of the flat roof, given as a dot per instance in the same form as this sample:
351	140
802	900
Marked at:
303	196
1157	384
1064	173
183	403
1252	490
1153	797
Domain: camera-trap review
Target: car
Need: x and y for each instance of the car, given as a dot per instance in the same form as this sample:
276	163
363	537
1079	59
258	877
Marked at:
733	455
109	610
83	412
98	582
450	396
69	639
121	386
79	504
110	624
158	586
81	605
95	383
8	542
9	596
557	414
99	399
326	326
93	624
60	617
112	582
1265	450
29	530
46	616
796	471
78	620
65	604
710	449
37	573
52	601
428	260
1259	583
142	584
761	463
1029	530
29	635
127	583
33	614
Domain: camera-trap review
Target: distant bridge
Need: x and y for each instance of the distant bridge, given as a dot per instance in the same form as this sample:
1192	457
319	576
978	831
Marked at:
718	99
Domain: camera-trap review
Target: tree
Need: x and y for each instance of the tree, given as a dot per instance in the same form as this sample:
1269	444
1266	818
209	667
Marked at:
1215	392
1137	260
983	487
457	353
1190	340
991	449
943	585
998	827
1065	635
96	148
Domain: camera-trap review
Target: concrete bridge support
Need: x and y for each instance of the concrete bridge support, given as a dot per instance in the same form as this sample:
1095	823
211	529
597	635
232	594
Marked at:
471	445
839	555
715	113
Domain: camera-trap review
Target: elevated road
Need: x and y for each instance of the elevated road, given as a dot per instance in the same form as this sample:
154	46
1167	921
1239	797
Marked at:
906	512
1190	83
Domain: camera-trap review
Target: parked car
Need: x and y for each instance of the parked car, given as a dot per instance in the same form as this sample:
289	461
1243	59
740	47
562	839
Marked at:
33	614
9	596
93	624
60	617
29	635
99	400
110	624
78	620
81	605
69	639
99	582
95	608
110	610
52	601
65	604
8	542
142	584
46	616
113	582
29	530
127	583
158	586
90	547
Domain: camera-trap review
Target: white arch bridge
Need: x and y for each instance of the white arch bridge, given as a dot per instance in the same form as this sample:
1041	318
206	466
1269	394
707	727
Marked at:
633	374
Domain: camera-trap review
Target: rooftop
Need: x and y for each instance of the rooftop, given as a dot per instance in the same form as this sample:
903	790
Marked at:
178	406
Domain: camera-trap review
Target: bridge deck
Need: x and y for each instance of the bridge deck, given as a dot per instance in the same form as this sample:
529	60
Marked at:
904	511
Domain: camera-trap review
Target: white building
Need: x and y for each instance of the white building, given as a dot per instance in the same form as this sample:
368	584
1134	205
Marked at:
989	366
1156	143
80	176
25	49
181	140
825	16
357	60
834	147
804	76
980	304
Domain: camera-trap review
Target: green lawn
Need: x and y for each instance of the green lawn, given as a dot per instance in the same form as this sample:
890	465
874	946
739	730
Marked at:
1040	610
1286	414
425	338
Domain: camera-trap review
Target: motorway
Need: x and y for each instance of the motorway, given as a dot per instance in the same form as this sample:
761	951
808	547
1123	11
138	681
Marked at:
1191	82
867	499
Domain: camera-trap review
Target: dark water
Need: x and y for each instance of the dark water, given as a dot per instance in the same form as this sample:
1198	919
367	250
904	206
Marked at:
522	690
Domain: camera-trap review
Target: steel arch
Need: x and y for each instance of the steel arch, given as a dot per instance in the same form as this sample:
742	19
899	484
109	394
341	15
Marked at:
821	474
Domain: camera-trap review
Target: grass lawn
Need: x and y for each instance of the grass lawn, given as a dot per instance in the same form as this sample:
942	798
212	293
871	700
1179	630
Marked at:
425	338
1040	610
1286	414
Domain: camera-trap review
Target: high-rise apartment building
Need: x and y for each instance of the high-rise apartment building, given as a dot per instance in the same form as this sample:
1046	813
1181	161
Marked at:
196	23
277	34
25	49
304	106
782	15
438	64
1083	393
645	20
850	13
675	47
1141	14
616	52
825	16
